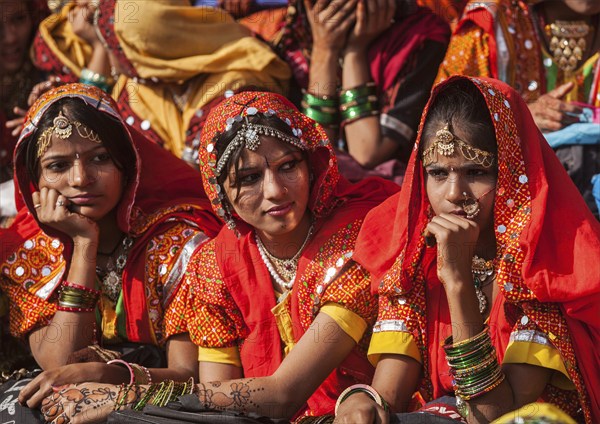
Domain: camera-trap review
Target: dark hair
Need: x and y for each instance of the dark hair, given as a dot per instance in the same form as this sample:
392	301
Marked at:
461	105
111	132
222	141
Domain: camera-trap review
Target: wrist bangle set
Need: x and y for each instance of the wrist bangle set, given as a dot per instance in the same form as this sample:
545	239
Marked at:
350	105
77	298
474	366
138	374
362	388
90	77
160	394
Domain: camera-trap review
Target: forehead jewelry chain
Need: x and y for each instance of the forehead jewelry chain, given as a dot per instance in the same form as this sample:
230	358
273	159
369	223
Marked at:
62	128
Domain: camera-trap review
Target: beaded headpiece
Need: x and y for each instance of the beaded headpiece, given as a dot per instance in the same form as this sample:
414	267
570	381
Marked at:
63	128
446	144
305	135
248	136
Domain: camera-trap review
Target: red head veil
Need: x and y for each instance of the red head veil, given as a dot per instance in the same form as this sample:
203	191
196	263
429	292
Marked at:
163	189
547	240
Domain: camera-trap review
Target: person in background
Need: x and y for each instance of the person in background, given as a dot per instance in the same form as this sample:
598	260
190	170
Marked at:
17	78
166	63
366	68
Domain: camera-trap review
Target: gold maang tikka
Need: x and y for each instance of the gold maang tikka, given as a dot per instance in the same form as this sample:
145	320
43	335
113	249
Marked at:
446	144
63	129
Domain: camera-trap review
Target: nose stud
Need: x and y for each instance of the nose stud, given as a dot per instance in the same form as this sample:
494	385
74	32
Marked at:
471	206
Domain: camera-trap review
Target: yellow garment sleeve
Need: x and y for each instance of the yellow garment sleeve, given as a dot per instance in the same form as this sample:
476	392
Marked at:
221	355
352	324
540	355
394	343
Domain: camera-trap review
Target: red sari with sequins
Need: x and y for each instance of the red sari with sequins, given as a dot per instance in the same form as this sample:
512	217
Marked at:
548	276
231	291
163	209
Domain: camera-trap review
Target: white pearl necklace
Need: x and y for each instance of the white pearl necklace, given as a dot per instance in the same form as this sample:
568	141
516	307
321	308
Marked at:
264	255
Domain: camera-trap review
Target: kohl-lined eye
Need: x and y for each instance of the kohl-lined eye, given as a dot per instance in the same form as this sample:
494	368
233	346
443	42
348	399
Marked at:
101	157
437	173
477	172
290	165
59	166
249	179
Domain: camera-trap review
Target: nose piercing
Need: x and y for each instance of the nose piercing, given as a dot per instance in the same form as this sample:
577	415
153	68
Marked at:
285	189
76	155
471	206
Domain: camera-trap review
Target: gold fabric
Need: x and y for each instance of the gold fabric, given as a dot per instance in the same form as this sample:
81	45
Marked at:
57	32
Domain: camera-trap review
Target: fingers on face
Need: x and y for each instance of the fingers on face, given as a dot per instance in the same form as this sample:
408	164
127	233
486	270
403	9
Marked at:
52	204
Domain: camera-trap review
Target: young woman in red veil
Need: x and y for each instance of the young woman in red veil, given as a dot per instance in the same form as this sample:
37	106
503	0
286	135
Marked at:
486	265
107	221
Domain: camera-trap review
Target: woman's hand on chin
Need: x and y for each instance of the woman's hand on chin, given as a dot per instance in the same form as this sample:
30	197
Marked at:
456	240
52	209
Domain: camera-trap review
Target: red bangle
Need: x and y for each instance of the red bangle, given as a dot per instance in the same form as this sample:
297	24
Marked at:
80	287
73	309
126	365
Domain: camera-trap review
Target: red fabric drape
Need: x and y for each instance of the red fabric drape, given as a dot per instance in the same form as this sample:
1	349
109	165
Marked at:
164	189
547	240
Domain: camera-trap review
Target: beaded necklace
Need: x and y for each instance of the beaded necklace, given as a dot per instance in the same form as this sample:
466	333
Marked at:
283	271
482	271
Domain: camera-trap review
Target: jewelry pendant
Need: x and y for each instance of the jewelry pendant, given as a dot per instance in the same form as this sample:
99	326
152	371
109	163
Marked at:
112	285
481	298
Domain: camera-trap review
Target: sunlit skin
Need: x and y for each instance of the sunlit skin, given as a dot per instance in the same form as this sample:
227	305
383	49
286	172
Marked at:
83	173
15	31
273	197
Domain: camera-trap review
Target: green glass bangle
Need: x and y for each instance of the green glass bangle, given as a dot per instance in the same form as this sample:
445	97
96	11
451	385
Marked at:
320	101
365	90
147	396
471	359
359	101
324	109
460	347
102	86
323	118
358	112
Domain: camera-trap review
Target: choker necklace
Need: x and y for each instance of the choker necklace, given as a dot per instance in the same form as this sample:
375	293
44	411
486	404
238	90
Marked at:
482	271
567	44
283	271
111	279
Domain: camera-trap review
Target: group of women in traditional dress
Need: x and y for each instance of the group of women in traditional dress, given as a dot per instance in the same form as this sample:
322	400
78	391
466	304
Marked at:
273	285
309	287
